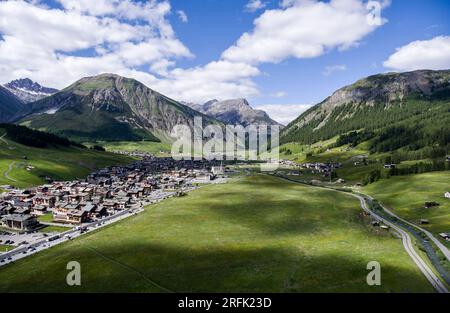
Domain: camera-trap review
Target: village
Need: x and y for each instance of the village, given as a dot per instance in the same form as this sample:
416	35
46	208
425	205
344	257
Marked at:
102	196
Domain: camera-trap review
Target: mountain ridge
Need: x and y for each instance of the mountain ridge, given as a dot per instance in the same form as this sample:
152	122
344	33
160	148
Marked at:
234	111
29	91
109	107
9	105
371	103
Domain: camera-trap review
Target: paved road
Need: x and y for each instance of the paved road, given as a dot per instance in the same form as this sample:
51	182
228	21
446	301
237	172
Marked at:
409	247
406	239
436	241
44	243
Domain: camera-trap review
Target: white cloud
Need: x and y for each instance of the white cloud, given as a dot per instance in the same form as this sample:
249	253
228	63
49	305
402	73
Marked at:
182	16
302	29
135	38
218	79
45	44
255	5
431	54
333	68
284	113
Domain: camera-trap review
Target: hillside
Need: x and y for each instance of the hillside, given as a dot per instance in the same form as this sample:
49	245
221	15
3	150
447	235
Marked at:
24	165
395	110
111	108
234	112
9	105
29	91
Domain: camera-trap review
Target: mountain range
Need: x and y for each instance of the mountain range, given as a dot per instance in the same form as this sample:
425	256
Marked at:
28	91
410	109
234	112
393	110
109	107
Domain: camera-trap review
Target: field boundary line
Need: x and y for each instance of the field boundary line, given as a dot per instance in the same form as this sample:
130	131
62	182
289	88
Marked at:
127	267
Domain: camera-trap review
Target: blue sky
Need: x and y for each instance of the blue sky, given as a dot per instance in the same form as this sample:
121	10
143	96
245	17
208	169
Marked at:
282	55
221	23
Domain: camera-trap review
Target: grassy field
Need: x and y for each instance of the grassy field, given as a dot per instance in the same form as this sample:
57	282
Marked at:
406	196
60	164
46	218
5	248
256	234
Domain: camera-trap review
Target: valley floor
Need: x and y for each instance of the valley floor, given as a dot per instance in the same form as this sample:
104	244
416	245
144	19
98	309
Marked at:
255	234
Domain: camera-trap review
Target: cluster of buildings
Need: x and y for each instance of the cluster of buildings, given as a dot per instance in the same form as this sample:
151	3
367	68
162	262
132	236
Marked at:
102	193
322	168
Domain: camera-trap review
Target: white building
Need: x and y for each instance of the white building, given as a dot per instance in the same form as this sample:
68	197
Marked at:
447	195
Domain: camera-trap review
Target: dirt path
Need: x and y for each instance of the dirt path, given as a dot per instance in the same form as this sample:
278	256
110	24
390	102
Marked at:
6	174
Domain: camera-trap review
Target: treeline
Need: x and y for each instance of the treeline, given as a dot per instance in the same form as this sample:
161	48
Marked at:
424	123
35	138
412	138
354	138
418	168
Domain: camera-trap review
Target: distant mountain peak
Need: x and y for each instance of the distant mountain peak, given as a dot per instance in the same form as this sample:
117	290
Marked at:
234	111
29	91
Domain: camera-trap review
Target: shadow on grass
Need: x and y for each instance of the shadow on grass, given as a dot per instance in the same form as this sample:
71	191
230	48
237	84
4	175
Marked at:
141	268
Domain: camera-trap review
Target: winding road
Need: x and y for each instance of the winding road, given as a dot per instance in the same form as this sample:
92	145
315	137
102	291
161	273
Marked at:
6	174
406	240
436	241
409	247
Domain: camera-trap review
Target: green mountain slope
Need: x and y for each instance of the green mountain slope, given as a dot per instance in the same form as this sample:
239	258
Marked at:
396	110
9	105
26	163
111	108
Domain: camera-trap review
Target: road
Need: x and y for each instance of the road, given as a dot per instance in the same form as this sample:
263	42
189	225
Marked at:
406	239
409	247
6	174
436	241
42	244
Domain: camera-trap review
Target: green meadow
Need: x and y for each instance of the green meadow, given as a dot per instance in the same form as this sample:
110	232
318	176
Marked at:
62	163
406	196
256	233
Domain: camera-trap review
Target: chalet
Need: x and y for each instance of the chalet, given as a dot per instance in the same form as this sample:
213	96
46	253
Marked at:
110	205
447	195
39	210
76	216
389	166
21	222
100	211
89	208
424	221
445	236
48	201
22	210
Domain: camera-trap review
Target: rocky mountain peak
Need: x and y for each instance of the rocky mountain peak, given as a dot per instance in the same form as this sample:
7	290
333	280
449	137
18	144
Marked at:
29	91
